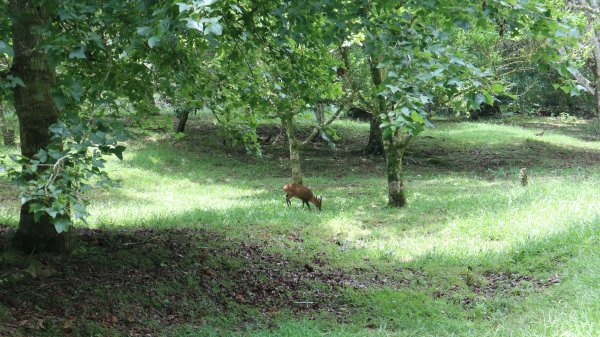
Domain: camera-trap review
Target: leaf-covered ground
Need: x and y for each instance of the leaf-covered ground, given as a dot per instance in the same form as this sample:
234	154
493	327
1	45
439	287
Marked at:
139	281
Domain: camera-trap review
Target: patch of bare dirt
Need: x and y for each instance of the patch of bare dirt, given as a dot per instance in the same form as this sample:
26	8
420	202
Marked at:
503	283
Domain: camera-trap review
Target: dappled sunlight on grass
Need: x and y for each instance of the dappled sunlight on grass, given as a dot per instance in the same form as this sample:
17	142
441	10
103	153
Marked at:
497	134
149	196
347	226
450	214
468	218
491	217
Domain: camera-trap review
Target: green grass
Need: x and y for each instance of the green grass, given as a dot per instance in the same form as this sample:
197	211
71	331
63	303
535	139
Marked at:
468	218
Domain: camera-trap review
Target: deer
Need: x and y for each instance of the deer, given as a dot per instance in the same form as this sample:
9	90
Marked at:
303	193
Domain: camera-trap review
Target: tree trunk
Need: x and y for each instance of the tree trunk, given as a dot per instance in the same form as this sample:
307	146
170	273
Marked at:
36	111
288	124
183	117
8	134
595	40
395	147
319	113
375	145
596	83
597	94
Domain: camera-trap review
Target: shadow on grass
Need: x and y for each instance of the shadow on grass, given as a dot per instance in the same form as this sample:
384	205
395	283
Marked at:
202	156
585	130
445	155
150	281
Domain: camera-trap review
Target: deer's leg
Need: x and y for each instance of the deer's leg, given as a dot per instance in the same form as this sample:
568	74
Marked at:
307	204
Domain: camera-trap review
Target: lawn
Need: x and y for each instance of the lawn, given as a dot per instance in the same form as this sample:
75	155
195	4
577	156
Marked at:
198	240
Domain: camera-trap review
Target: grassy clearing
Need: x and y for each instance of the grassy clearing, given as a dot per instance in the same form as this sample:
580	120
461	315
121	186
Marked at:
199	229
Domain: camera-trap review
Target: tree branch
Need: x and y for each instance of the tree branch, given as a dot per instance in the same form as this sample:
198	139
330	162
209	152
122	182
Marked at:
319	128
350	77
582	80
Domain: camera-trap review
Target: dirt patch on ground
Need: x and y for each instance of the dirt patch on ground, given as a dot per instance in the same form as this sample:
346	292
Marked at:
506	283
139	281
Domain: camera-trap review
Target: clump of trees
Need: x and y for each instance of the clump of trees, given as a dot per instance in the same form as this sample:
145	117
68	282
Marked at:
66	65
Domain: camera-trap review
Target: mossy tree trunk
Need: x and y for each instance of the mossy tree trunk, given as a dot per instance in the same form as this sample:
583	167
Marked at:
294	146
36	111
395	146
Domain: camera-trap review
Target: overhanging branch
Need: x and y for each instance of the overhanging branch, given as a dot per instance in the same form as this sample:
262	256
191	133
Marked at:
579	77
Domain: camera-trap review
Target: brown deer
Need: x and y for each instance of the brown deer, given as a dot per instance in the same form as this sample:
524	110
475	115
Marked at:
303	193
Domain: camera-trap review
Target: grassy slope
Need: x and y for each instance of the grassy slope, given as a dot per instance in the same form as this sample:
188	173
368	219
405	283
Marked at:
468	223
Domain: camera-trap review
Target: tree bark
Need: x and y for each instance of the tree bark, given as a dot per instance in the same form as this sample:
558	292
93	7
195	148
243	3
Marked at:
36	111
319	113
375	144
183	118
596	52
594	8
597	96
8	134
294	146
395	147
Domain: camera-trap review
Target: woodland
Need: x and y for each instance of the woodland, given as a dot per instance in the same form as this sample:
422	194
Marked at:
300	168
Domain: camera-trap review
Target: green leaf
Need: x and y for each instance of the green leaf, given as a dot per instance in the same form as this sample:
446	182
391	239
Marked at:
144	31
194	24
58	128
51	211
214	29
387	133
24	199
6	49
498	87
78	53
205	3
489	99
14	80
37	209
79	211
153	41
183	7
417	118
237	8
61	224
42	155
